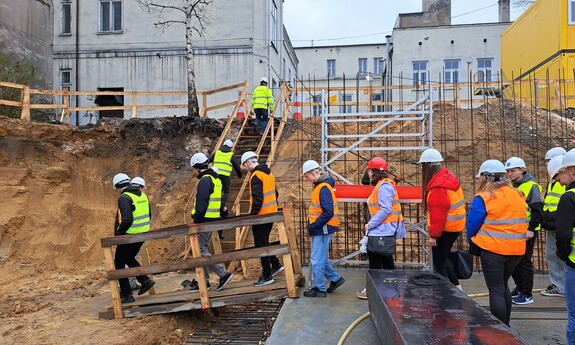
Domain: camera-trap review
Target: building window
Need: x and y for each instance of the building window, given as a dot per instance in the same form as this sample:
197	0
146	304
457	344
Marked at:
419	72
377	65
65	81
571	11
110	16
316	108
484	70
66	20
347	99
274	23
331	68
451	74
362	66
377	97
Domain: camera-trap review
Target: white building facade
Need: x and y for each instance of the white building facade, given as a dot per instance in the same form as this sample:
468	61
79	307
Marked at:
113	45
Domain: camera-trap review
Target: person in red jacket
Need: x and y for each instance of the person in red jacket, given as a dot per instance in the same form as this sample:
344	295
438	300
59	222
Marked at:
444	206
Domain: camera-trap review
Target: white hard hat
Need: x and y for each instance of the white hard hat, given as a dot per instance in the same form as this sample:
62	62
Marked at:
247	155
554	152
515	162
430	156
554	165
264	80
309	166
491	166
568	160
138	181
120	179
199	159
228	143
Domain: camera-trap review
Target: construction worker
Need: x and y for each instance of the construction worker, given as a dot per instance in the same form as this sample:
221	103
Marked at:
262	104
385	210
323	223
496	229
263	200
140	183
224	160
565	224
132	217
444	205
207	207
553	160
525	182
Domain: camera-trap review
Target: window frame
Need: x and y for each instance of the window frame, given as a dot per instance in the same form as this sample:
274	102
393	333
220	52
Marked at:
274	24
63	20
362	71
348	99
570	12
451	70
111	17
487	71
333	72
378	64
420	72
316	105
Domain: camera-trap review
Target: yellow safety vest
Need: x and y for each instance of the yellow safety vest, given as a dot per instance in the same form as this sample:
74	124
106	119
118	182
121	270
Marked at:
526	187
215	201
315	209
222	161
395	215
269	204
263	98
554	192
140	214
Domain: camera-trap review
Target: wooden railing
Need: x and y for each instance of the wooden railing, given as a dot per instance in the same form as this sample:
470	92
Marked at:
65	108
287	249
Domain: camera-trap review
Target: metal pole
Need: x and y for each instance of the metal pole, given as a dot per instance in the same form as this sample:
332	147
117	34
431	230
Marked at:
388	71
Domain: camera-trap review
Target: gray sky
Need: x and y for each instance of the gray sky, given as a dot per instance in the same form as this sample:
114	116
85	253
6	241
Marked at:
329	22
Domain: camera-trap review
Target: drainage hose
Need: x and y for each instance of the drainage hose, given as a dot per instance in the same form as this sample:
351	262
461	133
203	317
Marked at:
351	327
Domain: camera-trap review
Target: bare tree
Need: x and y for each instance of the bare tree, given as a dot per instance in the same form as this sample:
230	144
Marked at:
192	14
522	3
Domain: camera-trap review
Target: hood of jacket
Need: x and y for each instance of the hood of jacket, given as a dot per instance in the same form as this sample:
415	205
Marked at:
324	177
208	172
444	179
132	189
263	168
526	177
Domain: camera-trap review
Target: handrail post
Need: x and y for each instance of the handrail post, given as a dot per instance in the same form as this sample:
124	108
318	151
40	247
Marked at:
287	258
134	107
25	104
200	271
116	299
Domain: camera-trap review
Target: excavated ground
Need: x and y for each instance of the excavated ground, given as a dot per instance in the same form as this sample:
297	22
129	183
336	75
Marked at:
58	202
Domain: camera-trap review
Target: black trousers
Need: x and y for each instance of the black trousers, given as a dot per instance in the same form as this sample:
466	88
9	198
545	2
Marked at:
261	115
262	239
379	262
441	262
523	274
126	256
225	189
496	270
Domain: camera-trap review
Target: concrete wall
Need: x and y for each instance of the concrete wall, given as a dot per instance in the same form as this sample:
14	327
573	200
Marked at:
26	28
434	13
234	47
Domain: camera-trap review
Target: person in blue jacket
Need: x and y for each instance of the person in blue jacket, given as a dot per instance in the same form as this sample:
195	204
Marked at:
323	223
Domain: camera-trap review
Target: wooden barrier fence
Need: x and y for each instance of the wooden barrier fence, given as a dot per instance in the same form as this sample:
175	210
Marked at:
160	303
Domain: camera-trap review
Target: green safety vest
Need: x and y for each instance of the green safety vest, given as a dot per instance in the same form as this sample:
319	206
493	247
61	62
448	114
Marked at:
215	201
526	187
572	254
222	161
554	192
140	214
263	98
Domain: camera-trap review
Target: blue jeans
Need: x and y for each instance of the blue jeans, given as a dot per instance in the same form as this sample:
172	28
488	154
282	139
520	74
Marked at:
496	270
570	296
556	266
321	267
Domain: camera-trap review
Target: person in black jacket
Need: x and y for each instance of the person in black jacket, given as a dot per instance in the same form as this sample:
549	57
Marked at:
126	223
565	223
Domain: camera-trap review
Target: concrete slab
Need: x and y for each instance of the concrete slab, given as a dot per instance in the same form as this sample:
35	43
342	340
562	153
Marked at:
324	320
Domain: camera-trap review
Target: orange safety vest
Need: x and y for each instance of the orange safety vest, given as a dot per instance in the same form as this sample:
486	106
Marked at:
456	214
395	215
269	204
505	226
315	209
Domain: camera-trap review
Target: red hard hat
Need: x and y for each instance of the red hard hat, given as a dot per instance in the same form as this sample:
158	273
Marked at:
377	163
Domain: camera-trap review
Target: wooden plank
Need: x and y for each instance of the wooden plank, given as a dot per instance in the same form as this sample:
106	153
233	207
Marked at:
14	85
182	230
200	272
134	108
216	243
225	88
116	300
290	232
25	104
11	103
222	105
146	262
163	267
288	265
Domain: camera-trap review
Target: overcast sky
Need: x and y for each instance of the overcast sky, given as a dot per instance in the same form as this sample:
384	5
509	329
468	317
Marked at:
329	22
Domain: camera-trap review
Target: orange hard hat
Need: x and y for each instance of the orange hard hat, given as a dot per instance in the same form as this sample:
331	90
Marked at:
377	163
